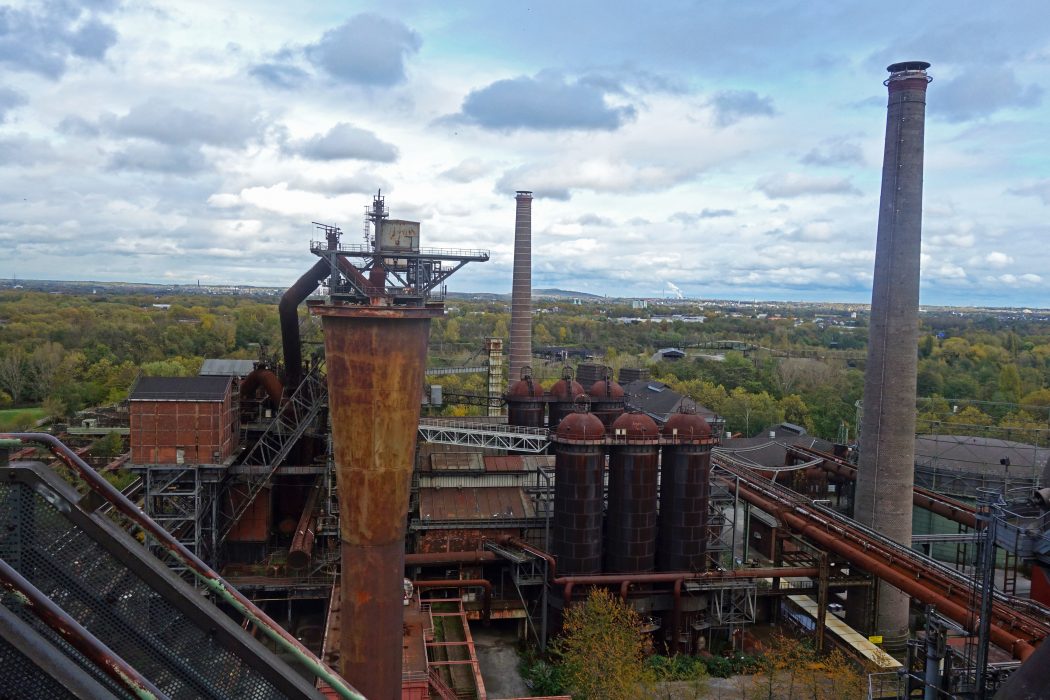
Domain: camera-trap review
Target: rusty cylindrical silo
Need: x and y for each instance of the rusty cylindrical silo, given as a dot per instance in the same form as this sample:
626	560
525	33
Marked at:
886	470
579	471
525	402
685	473
564	394
630	522
521	287
375	362
607	400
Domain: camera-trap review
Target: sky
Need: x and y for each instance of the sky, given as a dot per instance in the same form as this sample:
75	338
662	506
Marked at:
730	149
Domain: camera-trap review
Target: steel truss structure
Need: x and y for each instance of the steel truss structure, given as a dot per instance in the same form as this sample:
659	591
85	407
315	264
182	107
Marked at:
290	423
496	437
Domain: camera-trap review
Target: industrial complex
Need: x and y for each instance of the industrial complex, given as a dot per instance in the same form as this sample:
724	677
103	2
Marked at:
304	529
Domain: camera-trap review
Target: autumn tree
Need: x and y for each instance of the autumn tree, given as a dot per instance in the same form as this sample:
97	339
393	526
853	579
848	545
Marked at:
602	649
791	669
13	374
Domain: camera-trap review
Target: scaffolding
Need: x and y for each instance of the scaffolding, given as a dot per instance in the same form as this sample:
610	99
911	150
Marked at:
183	500
290	423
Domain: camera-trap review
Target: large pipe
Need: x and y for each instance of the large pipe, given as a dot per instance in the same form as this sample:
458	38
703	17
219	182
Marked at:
932	501
437	558
375	359
486	586
923	589
288	312
302	549
521	291
570	582
267	380
886	471
1029	681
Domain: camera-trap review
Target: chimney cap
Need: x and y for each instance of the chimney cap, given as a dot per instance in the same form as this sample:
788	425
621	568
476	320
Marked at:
524	193
907	66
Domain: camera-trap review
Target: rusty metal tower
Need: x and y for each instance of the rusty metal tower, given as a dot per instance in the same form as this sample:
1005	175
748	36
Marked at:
886	471
376	321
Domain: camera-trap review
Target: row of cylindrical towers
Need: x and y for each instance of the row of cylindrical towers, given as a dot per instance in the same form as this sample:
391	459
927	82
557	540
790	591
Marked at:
529	406
656	517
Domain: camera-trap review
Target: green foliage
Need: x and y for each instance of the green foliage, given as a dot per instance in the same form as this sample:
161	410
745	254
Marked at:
108	446
542	678
18	419
602	649
727	666
678	667
68	351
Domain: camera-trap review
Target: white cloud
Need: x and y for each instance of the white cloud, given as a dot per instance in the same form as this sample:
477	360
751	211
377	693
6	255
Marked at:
997	259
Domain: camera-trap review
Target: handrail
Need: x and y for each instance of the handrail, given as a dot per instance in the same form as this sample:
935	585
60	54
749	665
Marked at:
485	427
123	673
207	576
358	248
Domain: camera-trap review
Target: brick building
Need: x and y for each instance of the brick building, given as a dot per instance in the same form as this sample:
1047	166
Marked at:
183	420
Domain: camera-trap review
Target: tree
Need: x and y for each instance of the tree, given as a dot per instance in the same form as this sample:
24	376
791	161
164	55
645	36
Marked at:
1010	383
452	331
45	363
13	375
602	649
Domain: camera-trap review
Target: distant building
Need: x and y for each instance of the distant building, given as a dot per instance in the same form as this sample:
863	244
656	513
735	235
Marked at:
658	401
226	368
639	304
667	354
183	420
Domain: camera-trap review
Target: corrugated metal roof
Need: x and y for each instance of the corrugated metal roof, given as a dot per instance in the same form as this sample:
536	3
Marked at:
482	504
226	368
978	454
456	461
517	463
180	389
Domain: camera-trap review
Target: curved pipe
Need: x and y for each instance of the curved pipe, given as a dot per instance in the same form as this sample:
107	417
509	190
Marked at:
267	380
288	311
434	558
552	565
486	601
211	580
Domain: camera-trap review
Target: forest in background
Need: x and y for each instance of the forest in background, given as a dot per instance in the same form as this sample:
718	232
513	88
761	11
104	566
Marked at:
66	352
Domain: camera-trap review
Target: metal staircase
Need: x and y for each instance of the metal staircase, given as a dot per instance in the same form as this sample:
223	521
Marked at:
292	421
86	611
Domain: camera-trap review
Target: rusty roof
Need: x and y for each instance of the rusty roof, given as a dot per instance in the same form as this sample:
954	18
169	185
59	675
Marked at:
517	463
475	503
456	462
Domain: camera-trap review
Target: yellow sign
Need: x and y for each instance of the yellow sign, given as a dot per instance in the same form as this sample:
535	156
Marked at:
875	639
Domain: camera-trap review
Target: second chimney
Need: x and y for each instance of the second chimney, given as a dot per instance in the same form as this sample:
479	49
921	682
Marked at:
521	290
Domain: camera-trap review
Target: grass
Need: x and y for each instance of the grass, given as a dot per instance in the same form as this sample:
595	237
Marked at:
14	419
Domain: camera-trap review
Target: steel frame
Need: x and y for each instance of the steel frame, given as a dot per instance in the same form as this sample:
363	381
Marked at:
496	437
289	424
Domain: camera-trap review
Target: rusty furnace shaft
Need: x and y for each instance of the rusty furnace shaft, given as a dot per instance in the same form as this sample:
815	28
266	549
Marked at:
376	361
